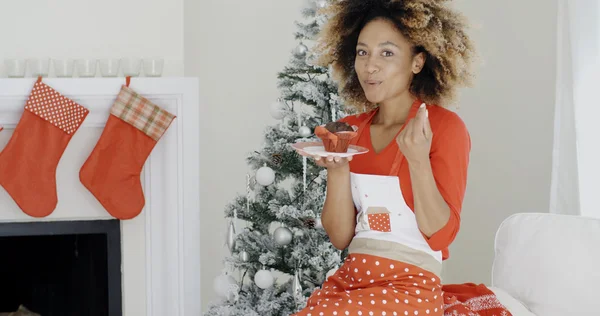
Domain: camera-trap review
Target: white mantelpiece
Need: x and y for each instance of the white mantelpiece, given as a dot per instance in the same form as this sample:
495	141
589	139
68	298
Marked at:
160	247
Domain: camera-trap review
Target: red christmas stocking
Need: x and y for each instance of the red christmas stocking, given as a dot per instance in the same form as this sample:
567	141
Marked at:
112	172
29	160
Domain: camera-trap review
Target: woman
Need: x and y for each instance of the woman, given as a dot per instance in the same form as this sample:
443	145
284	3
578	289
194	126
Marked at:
400	60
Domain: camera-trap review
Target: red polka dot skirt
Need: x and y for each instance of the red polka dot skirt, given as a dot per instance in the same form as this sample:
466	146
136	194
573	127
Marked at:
370	285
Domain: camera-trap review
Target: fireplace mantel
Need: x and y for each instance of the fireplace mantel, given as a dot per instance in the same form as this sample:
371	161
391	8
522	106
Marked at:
161	247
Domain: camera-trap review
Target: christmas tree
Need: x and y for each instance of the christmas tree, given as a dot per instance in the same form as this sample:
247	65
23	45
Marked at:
281	253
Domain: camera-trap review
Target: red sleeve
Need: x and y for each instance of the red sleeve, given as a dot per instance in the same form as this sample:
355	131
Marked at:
450	149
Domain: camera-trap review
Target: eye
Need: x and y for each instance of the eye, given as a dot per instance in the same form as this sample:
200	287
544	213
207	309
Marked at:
387	53
361	52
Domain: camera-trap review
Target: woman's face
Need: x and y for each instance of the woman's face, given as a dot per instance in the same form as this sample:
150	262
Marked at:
385	63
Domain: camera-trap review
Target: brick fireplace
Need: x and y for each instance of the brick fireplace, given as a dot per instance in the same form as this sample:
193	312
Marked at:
149	265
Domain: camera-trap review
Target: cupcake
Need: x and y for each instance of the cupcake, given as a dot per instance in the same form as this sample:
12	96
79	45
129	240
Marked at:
336	136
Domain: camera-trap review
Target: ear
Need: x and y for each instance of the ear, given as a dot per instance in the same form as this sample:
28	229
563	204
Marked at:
418	62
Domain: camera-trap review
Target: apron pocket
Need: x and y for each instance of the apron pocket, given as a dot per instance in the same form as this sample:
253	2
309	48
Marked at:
380	222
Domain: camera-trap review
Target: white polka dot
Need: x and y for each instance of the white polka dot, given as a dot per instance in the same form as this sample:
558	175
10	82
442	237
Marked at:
384	302
372	281
347	313
372	302
364	260
405	312
359	303
376	263
420	274
355	269
384	291
406	270
359	313
382	275
435	310
383	313
391	266
334	312
406	301
418	292
371	313
424	282
416	312
419	300
368	272
432	279
427	312
397	300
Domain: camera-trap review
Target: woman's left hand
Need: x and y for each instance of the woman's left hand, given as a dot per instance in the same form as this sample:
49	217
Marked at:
415	139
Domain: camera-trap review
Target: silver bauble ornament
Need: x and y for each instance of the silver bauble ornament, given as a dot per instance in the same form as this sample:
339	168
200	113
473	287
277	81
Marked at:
278	109
231	237
304	131
282	236
297	287
244	256
263	279
300	50
265	176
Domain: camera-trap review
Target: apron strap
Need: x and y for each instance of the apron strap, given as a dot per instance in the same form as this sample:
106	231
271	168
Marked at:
399	156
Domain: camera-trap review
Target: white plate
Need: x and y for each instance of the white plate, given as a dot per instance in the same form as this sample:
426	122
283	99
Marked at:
317	149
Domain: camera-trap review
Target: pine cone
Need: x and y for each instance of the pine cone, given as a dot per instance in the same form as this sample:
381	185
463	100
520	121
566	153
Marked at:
277	159
309	222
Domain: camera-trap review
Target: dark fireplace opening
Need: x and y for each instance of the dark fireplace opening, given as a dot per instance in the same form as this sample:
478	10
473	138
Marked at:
61	268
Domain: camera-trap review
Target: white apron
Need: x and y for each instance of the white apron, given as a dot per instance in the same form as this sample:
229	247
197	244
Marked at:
385	225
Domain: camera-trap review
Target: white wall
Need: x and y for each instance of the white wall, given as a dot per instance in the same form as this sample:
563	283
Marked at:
236	52
93	29
510	116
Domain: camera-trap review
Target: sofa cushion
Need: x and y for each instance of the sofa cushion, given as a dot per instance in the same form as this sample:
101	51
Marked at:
513	305
549	262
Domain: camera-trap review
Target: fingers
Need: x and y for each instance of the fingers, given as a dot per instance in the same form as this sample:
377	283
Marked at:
331	161
427	129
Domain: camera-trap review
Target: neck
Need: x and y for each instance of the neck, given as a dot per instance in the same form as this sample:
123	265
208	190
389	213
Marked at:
395	111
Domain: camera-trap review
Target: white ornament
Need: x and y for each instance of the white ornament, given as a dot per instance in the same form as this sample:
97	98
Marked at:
278	109
282	236
263	279
265	176
304	131
225	286
300	50
331	272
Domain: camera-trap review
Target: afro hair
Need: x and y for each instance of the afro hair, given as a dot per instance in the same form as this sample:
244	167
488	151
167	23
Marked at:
430	25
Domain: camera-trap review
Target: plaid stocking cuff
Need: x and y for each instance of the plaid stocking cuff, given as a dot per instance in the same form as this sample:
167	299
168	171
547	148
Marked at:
144	115
55	108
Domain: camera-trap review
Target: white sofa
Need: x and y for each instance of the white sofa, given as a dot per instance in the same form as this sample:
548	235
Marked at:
548	265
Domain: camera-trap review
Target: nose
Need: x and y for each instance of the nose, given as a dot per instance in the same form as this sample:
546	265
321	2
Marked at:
371	65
